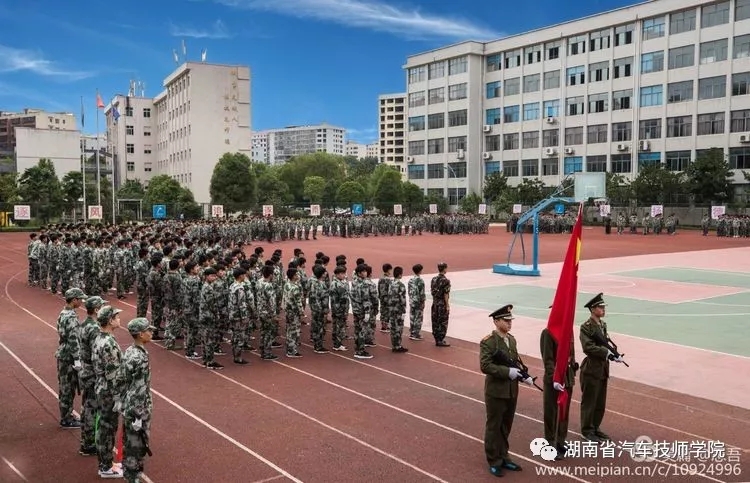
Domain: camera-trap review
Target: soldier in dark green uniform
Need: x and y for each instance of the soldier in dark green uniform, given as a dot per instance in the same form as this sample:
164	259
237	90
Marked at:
500	391
556	431
594	372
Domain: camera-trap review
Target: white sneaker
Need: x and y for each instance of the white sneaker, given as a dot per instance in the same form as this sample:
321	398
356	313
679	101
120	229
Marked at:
111	473
340	348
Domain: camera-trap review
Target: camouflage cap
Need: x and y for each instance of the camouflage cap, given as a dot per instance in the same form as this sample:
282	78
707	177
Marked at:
141	324
105	314
75	293
95	302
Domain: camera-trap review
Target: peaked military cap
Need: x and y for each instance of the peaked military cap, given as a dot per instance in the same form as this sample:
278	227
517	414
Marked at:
597	301
106	314
94	303
75	293
503	313
138	325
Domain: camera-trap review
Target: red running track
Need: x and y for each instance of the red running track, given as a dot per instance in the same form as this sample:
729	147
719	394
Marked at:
401	417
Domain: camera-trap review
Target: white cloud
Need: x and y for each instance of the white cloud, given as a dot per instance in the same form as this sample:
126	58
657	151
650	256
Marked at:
217	31
17	60
374	15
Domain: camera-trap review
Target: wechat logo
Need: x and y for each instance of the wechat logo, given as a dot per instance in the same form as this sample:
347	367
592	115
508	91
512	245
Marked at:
540	447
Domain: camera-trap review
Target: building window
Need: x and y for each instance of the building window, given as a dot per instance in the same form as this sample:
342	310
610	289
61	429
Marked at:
494	116
130	148
599	72
435	146
529	167
510	141
493	143
709	124
494	62
682	22
416	123
436	121
624	35
715	51
417	74
623	67
491	167
680	57
436	70
552	50
651	96
679	92
740	83
576	75
147	167
550	138
716	14
576	45
439	192
599	102
739	158
457	170
679	127
457	118
648	159
740	121
650	129
128	112
513	86
596	164
621	163
597	134
455	143
599	40
455	195
146	151
129	130
147	133
712	87
574	106
436	95
550	166
533	54
416	99
416	171
416	148
552	108
435	171
622	131
511	114
458	65
531	83
493	89
531	111
146	112
510	169
552	80
573	136
741	10
130	166
677	160
653	28
741	48
457	92
573	165
652	62
530	139
622	99
513	59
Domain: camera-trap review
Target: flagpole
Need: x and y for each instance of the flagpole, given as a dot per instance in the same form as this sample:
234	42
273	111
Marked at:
98	170
83	162
117	143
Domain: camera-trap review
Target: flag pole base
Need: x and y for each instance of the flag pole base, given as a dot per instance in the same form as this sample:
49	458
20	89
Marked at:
513	269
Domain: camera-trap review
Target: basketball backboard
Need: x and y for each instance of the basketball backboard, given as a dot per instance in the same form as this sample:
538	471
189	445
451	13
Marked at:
590	185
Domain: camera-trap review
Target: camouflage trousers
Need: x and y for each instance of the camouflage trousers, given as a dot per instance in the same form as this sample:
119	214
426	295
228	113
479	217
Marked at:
67	379
416	316
318	328
175	326
268	329
251	327
121	285
54	280
439	316
157	313
65	279
142	300
33	271
192	335
106	429
360	331
293	332
338	328
397	330
239	336
208	331
43	274
385	315
134	449
370	326
88	412
91	286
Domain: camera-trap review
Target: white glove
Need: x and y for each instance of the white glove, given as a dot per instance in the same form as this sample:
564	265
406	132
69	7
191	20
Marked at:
513	373
117	407
609	353
558	386
77	365
619	359
137	425
529	380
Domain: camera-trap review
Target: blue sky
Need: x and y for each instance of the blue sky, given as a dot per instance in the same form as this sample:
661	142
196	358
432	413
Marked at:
312	60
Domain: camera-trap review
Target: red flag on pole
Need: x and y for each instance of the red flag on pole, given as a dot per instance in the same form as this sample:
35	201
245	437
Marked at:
562	314
99	102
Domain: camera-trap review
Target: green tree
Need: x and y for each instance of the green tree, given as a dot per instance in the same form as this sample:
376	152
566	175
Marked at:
294	171
329	192
162	189
313	189
470	203
530	191
495	186
272	190
131	189
440	201
40	186
619	191
72	190
709	178
654	184
233	183
350	192
387	191
413	197
359	168
8	187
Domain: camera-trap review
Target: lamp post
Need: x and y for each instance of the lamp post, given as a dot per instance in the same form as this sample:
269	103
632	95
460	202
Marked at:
447	167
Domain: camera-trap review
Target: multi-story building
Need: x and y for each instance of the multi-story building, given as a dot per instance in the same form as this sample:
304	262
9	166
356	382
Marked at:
202	113
285	143
392	114
32	118
260	148
657	82
360	151
62	147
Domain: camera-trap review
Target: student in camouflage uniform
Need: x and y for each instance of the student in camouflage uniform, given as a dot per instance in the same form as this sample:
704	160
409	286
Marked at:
239	315
88	332
174	296
384	286
43	263
106	358
339	294
293	311
319	304
142	268
397	309
68	357
375	306
266	303
191	309
33	256
440	288
417	299
208	313
120	268
155	284
53	254
136	400
362	310
221	287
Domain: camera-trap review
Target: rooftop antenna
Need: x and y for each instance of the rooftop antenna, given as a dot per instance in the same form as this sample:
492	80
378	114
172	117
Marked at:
131	89
175	56
142	87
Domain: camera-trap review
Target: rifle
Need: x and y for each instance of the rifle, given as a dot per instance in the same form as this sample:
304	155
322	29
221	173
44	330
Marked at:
603	341
501	359
144	440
